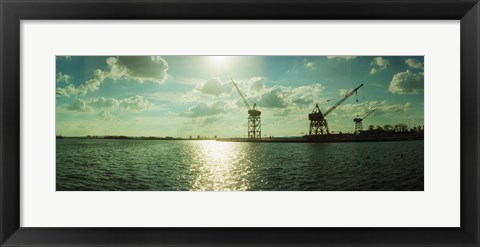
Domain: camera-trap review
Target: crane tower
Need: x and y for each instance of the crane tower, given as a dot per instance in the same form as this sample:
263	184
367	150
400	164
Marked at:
358	122
254	123
318	123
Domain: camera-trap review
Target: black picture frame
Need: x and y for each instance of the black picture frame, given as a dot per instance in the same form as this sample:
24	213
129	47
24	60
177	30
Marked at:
13	11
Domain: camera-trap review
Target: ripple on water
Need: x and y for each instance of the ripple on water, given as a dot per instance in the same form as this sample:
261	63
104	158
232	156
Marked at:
209	165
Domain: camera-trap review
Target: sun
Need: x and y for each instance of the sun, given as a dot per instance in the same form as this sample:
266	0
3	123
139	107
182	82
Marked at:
219	63
219	60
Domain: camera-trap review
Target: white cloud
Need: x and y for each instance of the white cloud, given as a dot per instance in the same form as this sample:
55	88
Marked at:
135	103
407	83
89	86
104	103
205	120
190	96
139	68
63	78
79	105
364	107
274	97
67	91
304	95
106	115
288	97
379	64
94	83
202	109
413	63
215	87
342	57
256	91
252	87
395	107
309	64
343	91
256	84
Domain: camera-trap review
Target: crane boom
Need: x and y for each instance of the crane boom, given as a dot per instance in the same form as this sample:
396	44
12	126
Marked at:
369	113
242	96
345	97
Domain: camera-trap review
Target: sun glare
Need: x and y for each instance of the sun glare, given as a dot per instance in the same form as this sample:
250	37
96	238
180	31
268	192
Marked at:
219	60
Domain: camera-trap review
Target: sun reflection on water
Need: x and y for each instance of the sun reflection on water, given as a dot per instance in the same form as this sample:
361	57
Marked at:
220	166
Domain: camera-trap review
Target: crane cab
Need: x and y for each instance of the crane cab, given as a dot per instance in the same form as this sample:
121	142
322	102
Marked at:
254	113
315	116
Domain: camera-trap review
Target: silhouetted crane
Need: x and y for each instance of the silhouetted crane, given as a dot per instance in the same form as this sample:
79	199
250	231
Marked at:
318	123
358	122
254	123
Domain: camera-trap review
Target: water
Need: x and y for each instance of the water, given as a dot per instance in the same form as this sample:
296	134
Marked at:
158	165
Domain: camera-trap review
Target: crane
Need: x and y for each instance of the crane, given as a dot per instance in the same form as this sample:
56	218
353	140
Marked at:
358	122
254	123
318	123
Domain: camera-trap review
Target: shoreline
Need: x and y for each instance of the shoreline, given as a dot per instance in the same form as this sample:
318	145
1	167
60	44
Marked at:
307	139
331	138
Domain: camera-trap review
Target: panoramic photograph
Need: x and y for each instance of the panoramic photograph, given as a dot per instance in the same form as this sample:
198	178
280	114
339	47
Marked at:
239	123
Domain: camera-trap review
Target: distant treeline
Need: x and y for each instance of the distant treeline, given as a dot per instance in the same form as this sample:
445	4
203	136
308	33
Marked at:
130	137
396	128
399	129
392	129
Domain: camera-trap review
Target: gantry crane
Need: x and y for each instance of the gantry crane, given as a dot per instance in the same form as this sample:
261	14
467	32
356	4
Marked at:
318	123
254	123
358	122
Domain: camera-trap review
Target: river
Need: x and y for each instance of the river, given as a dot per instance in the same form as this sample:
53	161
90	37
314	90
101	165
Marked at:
196	165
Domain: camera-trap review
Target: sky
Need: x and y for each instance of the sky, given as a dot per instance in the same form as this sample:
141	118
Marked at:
182	96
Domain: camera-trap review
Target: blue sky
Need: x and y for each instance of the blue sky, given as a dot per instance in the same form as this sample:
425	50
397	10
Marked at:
184	96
